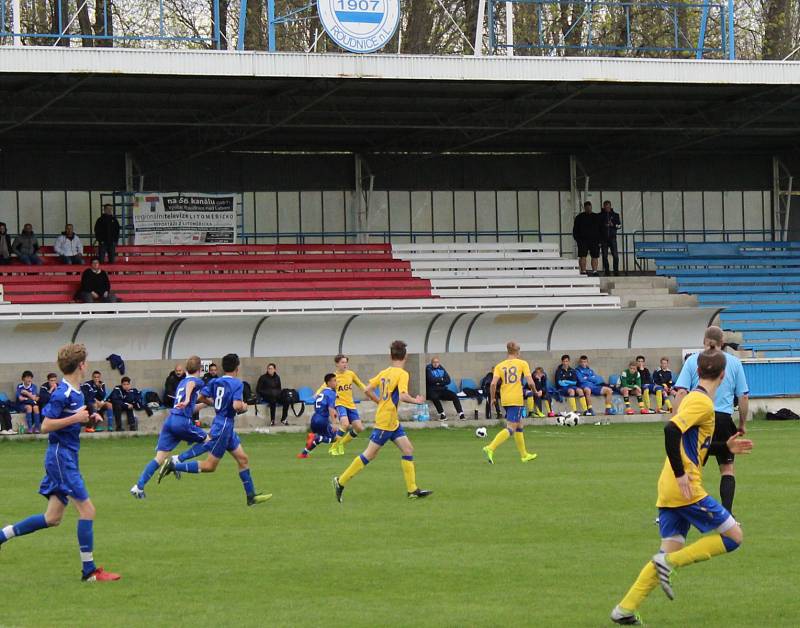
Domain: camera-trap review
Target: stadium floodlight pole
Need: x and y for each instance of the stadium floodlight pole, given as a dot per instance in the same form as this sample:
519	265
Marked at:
479	28
16	39
731	40
242	24
509	29
271	25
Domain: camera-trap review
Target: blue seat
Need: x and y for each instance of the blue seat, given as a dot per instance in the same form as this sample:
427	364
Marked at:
306	395
469	383
452	387
4	398
613	380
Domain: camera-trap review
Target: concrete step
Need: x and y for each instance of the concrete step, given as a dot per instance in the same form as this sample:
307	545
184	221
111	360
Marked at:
661	302
633	293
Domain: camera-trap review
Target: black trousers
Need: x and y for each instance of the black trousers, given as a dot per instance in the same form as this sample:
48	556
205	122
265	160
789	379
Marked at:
118	410
273	405
605	247
436	396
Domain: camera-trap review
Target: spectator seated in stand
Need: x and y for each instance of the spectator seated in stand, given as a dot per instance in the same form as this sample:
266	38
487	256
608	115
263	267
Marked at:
26	246
5	245
68	247
95	285
171	385
566	380
648	386
213	373
28	402
593	384
269	390
95	394
437	381
542	399
663	377
106	232
125	398
47	389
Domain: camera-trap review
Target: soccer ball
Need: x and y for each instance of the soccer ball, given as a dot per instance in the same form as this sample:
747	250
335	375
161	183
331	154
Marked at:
571	419
480	432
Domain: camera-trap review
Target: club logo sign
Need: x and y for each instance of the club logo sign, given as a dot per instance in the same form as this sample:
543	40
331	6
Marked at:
359	25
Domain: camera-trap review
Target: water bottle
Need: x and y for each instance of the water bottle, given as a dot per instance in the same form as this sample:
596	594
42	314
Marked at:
425	414
619	406
415	413
477	414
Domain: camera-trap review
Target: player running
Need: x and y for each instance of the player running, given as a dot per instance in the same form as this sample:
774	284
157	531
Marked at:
510	372
64	415
225	393
392	384
682	500
178	427
350	425
324	421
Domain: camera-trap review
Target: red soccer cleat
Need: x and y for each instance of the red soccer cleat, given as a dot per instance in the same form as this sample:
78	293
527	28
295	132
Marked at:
90	430
551	414
629	411
309	439
100	575
302	454
644	411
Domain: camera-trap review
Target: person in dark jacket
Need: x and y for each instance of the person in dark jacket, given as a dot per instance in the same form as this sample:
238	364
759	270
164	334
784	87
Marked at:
541	395
566	380
125	398
586	231
268	388
171	385
95	395
95	285
609	223
47	389
106	232
436	382
26	246
5	245
213	373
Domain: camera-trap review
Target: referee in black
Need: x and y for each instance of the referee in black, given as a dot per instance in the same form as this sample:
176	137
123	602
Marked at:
734	385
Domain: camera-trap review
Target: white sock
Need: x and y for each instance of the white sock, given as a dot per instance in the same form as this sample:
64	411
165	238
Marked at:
8	532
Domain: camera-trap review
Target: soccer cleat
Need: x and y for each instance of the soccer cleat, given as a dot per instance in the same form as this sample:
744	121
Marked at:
89	430
625	618
551	414
100	575
419	494
589	412
461	417
166	468
529	457
338	488
258	498
630	411
610	411
137	492
302	454
176	460
442	416
664	571
489	454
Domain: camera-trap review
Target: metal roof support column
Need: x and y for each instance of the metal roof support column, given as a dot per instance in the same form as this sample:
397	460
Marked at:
731	40
271	45
479	28
509	29
15	23
242	24
701	36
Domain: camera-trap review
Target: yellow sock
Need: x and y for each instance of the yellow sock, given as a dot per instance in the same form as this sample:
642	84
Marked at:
519	439
668	401
572	405
546	405
702	549
346	438
659	399
646	582
409	473
608	405
502	437
584	405
354	468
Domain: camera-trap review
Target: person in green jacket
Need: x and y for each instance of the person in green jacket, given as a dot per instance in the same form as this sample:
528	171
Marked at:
631	382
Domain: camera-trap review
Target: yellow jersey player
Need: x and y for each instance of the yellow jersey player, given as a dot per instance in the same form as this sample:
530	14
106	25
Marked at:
510	373
392	386
350	425
682	500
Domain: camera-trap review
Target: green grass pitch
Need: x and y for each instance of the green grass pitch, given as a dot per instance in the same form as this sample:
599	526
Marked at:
555	542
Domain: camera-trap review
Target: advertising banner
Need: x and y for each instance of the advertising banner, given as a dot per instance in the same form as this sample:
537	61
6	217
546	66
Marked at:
184	218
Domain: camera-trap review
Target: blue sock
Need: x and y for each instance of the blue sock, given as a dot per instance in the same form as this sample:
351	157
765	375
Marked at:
37	421
247	482
109	418
188	467
86	543
195	450
21	528
29	419
148	472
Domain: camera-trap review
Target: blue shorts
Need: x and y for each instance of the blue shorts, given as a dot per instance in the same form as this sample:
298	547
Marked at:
223	438
348	413
62	476
513	413
177	429
652	387
322	426
381	437
27	402
597	389
706	515
564	391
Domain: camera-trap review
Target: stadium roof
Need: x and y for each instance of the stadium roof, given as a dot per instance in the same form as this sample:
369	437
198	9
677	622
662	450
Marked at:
198	102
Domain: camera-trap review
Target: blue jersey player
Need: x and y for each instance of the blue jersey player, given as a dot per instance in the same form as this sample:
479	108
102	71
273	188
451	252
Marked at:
64	415
225	394
324	422
179	426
